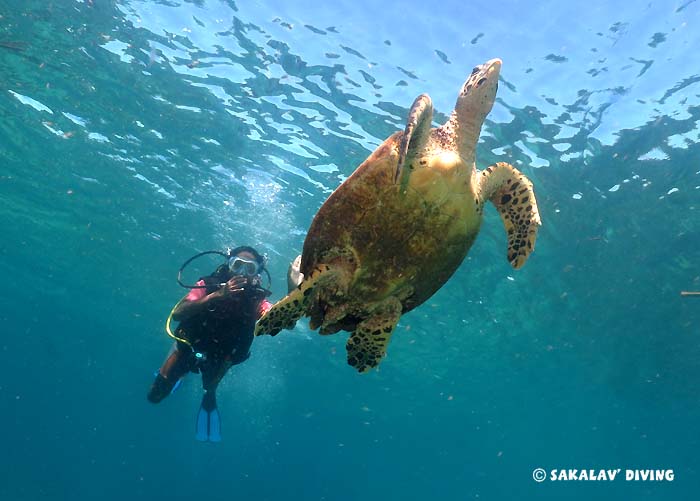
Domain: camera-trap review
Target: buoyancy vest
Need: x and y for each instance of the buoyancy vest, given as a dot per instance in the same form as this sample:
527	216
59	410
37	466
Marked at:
225	326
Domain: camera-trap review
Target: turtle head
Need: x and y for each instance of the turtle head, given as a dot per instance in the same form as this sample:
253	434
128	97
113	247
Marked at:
475	102
479	92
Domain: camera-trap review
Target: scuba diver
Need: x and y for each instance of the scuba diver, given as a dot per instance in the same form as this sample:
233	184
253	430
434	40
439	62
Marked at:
215	331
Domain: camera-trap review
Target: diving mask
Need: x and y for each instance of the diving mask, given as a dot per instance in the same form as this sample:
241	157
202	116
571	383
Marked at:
241	266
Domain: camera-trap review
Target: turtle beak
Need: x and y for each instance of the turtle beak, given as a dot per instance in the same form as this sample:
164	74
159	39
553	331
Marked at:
488	72
494	65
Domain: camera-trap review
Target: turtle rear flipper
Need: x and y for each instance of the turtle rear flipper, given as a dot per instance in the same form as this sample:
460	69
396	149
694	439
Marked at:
367	344
512	194
285	313
415	136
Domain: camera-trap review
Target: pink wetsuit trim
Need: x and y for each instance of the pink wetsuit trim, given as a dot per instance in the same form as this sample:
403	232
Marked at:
196	294
265	306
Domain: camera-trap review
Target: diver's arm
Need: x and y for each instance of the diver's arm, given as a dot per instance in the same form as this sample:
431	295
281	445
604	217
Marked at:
194	303
187	308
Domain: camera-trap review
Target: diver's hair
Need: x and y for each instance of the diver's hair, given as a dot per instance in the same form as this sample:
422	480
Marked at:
245	248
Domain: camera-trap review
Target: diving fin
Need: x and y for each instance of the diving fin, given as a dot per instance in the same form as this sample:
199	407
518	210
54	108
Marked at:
202	425
208	420
177	385
214	426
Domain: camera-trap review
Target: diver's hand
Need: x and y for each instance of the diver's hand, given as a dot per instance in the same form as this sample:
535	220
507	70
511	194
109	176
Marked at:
236	285
234	288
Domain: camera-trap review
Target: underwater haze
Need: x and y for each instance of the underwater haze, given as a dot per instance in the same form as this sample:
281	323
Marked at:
134	134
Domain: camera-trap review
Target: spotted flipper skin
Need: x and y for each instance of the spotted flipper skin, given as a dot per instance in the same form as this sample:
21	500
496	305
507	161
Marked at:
512	194
285	313
367	345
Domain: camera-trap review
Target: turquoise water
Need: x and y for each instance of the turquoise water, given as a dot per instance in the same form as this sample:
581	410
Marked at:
134	134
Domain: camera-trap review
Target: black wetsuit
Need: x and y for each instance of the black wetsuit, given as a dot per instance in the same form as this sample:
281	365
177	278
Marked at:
219	337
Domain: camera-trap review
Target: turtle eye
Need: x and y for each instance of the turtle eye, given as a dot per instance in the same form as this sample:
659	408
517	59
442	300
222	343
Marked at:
476	68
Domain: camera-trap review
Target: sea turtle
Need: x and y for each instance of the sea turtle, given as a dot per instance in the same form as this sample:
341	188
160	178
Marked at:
396	230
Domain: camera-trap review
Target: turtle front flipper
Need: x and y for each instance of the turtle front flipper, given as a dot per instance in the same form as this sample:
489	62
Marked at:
294	274
512	194
285	313
367	344
415	135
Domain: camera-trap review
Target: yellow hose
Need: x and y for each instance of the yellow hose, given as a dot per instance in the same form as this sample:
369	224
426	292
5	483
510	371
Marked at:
170	333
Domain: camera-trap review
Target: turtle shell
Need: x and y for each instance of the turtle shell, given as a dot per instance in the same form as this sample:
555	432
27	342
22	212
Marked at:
401	241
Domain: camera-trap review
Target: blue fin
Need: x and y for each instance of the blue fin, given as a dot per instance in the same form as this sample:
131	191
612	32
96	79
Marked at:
202	425
214	426
208	420
177	385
